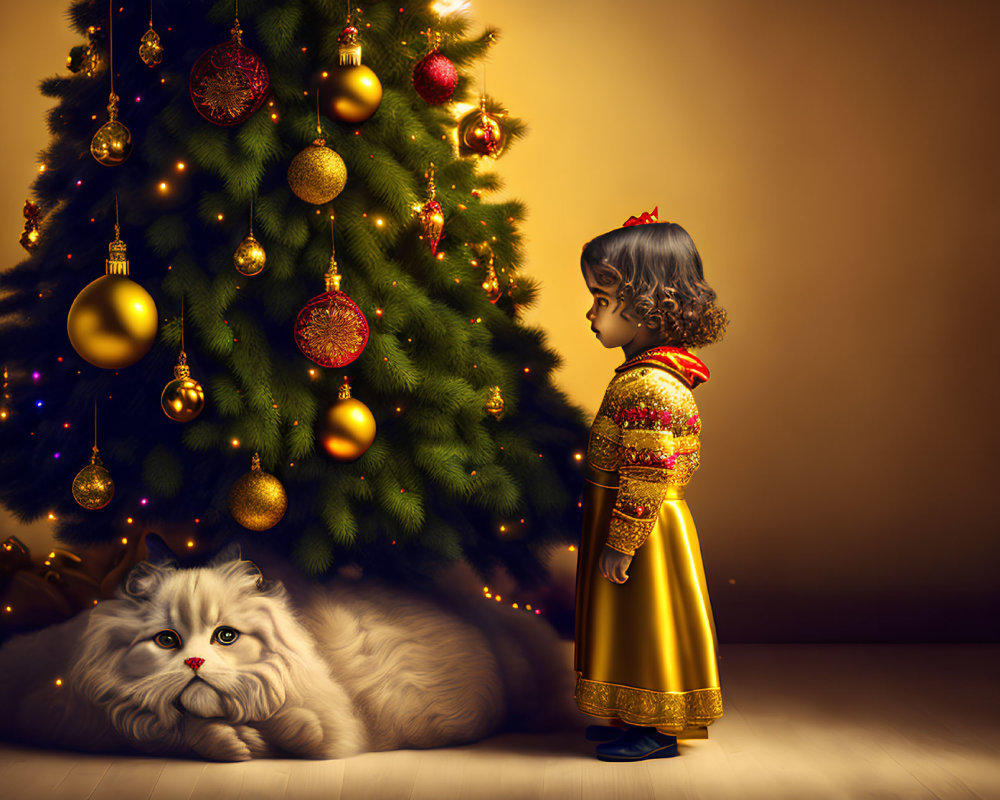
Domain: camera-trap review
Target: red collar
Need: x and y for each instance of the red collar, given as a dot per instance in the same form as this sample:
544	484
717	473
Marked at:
677	360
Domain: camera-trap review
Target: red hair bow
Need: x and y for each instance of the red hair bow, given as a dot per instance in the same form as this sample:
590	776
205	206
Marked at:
647	216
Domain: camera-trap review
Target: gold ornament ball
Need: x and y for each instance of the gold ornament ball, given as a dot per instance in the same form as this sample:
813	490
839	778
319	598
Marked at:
112	322
258	500
347	429
356	93
112	144
482	133
183	399
93	487
317	174
249	258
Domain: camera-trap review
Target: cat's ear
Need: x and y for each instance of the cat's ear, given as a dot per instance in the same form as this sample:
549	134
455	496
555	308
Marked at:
226	555
144	577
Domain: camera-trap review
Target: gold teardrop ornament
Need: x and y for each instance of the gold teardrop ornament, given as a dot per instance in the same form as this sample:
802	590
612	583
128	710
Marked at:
250	258
150	48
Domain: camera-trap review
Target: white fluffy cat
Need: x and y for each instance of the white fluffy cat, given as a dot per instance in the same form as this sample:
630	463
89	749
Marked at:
215	661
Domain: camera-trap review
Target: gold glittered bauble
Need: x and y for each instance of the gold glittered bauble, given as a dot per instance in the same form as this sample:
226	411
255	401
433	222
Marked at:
355	92
347	429
317	174
112	144
258	500
112	322
183	398
93	487
249	258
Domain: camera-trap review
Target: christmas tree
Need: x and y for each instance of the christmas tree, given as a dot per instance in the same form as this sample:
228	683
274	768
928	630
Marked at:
283	180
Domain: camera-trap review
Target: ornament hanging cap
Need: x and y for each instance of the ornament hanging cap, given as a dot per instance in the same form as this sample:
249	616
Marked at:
236	31
117	260
182	370
255	463
344	393
349	46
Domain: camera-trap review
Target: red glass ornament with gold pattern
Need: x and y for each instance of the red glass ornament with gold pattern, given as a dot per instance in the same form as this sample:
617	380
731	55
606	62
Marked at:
330	329
229	82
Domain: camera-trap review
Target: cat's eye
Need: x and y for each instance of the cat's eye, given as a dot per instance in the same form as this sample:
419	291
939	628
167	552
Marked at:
226	635
168	640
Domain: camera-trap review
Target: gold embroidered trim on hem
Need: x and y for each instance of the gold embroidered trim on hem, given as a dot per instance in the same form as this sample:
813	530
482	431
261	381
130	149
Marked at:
670	712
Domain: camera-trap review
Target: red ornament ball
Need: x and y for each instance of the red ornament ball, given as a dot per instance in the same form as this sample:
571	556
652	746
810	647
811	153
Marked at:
435	78
228	83
331	330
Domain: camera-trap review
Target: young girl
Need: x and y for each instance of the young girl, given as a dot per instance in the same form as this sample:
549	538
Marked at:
645	637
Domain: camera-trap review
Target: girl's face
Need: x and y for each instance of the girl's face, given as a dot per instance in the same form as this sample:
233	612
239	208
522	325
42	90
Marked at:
607	317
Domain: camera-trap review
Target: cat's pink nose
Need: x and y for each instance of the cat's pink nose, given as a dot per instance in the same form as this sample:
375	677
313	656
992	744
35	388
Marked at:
194	663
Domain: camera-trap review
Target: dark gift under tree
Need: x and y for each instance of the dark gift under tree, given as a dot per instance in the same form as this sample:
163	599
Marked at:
214	172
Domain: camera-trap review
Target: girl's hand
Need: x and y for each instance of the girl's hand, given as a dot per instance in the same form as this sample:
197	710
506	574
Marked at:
614	565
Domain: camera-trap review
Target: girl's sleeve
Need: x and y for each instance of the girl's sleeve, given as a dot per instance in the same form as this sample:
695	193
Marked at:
648	405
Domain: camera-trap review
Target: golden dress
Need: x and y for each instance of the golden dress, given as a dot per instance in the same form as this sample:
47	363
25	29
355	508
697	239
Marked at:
646	649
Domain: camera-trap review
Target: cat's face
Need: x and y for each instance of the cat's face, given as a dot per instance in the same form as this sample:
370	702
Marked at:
205	642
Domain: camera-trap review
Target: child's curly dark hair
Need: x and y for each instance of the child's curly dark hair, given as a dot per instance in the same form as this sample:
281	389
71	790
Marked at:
659	278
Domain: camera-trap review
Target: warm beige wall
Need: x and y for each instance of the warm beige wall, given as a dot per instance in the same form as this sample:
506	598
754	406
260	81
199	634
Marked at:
836	164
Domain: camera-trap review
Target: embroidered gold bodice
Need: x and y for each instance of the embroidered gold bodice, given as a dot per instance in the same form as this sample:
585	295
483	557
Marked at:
647	430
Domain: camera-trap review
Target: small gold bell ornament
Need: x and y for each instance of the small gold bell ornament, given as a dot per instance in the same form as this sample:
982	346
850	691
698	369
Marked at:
112	322
258	500
347	429
494	404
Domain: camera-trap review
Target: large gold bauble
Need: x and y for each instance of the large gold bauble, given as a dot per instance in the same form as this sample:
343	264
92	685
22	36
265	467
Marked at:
258	500
182	399
112	322
93	487
355	93
317	174
249	258
112	144
347	429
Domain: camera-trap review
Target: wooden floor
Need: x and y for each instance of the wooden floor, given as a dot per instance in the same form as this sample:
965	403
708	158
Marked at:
802	721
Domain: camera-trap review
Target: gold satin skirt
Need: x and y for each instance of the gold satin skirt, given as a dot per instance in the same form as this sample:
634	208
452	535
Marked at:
646	649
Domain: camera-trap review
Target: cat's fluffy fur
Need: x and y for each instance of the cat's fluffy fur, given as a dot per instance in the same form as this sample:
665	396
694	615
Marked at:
357	666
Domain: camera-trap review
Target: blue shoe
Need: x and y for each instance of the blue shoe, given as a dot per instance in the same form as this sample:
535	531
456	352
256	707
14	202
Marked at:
638	744
603	733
